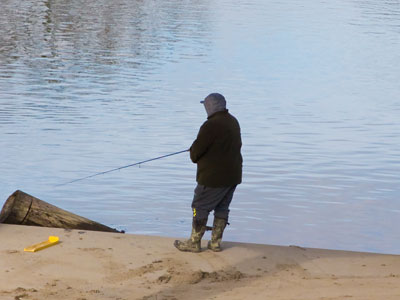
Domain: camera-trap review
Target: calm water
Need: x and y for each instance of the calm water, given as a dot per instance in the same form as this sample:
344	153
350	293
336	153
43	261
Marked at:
87	86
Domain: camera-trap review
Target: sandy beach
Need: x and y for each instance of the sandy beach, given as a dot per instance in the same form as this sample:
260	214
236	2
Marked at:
89	265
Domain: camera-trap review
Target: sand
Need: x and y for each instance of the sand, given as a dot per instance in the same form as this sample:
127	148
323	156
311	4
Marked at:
95	265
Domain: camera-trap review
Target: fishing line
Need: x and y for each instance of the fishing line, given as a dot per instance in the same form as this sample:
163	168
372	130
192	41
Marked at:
123	167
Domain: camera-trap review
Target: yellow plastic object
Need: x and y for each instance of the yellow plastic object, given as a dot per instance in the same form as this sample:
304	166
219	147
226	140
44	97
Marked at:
53	240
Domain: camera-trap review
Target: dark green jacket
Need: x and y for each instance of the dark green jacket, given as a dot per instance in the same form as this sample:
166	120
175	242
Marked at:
216	151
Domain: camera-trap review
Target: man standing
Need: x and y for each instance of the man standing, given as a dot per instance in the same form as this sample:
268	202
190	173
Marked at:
216	151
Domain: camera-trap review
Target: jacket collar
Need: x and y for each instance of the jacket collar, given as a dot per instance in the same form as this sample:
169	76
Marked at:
218	113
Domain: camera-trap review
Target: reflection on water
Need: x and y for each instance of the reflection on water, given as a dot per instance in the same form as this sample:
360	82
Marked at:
87	86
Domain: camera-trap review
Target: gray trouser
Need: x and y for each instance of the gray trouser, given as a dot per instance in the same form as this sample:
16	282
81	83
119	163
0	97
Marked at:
207	199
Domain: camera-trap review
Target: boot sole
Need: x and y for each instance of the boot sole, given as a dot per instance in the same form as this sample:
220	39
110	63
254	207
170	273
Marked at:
215	250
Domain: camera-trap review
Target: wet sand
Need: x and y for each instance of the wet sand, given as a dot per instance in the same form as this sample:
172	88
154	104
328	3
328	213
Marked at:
94	265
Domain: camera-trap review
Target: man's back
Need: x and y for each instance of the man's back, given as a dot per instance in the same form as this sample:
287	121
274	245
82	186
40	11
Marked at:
217	151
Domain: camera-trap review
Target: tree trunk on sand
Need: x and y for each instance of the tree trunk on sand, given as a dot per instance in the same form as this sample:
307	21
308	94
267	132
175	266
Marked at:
21	208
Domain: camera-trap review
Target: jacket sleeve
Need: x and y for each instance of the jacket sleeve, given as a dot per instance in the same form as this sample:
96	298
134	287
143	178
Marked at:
202	143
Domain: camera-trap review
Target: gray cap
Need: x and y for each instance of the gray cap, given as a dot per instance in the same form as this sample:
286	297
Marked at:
215	98
213	103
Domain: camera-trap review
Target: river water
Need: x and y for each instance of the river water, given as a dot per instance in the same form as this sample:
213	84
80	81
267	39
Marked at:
87	86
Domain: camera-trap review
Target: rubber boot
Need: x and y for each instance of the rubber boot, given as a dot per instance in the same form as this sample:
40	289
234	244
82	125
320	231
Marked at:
216	235
193	244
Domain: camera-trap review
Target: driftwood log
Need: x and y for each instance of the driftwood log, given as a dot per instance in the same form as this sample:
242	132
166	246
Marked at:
21	208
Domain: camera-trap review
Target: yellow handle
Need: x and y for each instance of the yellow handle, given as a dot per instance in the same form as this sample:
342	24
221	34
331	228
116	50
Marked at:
53	240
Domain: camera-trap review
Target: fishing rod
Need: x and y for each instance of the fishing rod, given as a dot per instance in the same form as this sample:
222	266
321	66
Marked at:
123	167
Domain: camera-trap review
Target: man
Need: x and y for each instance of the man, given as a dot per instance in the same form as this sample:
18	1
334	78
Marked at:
216	151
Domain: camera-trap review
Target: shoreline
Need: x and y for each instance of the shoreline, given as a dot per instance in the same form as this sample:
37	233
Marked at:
88	265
